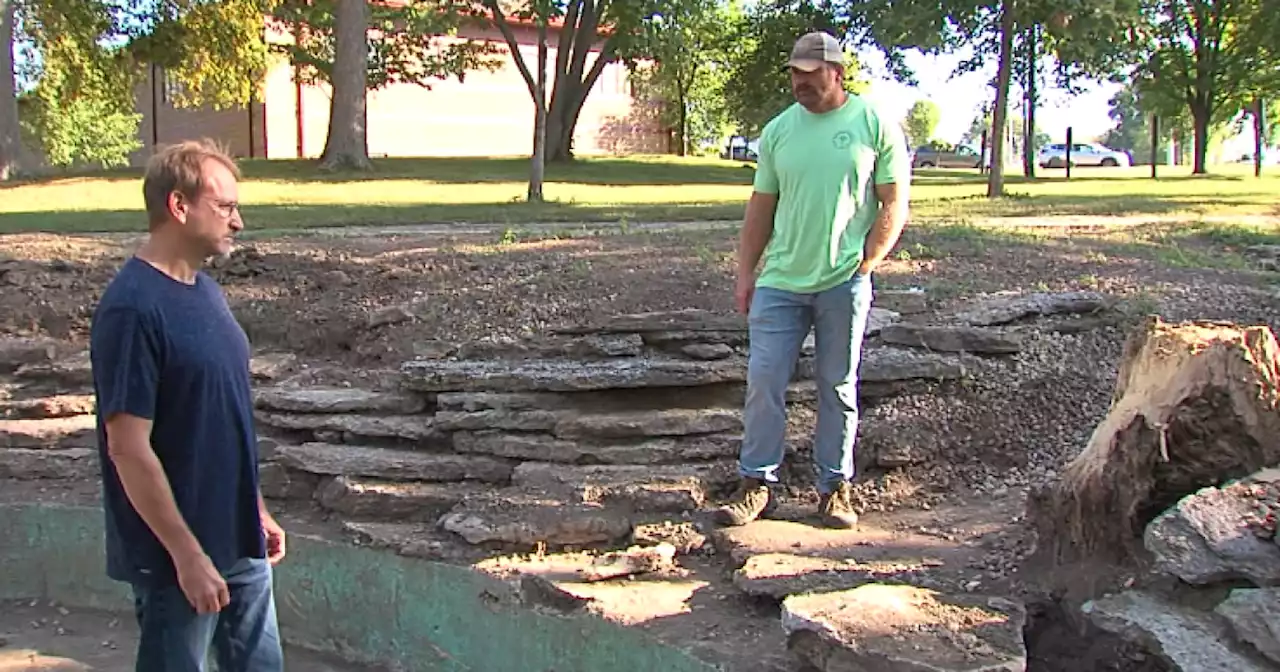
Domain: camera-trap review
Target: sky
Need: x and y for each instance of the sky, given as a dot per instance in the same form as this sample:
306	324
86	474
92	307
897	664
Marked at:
960	98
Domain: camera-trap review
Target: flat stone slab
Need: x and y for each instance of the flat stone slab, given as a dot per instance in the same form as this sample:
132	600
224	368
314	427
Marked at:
547	448
868	543
338	400
670	488
41	464
941	338
415	540
1188	640
523	420
1254	616
778	575
899	628
905	301
328	459
692	319
477	402
1207	538
521	518
73	371
554	375
408	427
57	406
16	351
1003	309
666	422
393	500
879	364
78	431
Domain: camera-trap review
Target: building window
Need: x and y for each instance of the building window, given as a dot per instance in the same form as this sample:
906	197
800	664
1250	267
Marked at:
171	89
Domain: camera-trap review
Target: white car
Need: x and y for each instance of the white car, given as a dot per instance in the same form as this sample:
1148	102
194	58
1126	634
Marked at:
1082	154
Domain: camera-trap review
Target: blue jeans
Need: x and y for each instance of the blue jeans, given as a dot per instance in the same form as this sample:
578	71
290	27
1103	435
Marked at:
244	636
778	322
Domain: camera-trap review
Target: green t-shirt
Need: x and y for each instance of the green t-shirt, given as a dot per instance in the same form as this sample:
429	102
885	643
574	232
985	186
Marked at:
824	168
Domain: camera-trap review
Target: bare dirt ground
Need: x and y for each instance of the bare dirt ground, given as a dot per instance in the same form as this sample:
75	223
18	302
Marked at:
346	305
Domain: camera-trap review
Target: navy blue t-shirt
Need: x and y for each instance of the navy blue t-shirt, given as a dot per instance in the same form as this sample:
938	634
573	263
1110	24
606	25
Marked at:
173	353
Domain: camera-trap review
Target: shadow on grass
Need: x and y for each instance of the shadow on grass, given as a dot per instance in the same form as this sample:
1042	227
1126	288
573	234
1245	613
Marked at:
273	218
637	171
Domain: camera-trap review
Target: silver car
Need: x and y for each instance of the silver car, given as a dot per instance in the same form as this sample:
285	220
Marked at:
1082	154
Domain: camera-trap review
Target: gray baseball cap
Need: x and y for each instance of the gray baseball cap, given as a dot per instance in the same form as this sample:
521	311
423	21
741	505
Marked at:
813	50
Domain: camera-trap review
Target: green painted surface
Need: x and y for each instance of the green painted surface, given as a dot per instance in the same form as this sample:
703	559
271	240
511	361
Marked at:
365	604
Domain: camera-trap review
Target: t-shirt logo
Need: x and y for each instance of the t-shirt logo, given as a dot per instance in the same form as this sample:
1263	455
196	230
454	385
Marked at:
842	139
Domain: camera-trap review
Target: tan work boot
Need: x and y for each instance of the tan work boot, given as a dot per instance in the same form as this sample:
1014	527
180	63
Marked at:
836	509
750	501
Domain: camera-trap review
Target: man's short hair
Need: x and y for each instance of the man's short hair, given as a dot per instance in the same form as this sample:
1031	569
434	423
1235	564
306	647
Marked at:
180	167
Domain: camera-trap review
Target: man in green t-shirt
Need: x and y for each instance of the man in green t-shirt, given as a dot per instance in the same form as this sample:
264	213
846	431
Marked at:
828	203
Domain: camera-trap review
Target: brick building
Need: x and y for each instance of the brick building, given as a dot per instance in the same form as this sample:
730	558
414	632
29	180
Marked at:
491	114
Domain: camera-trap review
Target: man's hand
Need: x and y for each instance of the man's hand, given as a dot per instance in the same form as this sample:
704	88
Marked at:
200	581
744	292
272	532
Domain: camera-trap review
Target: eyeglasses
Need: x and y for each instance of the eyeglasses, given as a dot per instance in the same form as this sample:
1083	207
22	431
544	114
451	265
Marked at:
225	208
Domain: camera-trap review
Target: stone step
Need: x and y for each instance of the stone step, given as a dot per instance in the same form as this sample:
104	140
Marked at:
1006	308
778	575
947	338
527	518
412	539
338	400
879	365
547	448
898	628
377	499
327	459
666	488
44	408
555	375
77	431
75	371
353	427
16	352
40	464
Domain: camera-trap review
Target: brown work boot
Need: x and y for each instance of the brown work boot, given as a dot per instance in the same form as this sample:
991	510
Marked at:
836	510
752	499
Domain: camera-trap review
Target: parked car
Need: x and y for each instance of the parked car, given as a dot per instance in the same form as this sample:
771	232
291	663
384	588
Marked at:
740	148
930	156
1082	154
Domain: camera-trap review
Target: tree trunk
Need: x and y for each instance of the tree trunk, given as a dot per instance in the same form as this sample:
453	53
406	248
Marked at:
995	180
1029	144
538	167
1259	134
1194	406
10	130
684	121
347	145
1200	118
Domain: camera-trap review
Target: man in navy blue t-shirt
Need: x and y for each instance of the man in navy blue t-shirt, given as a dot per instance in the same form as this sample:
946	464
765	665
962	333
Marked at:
185	522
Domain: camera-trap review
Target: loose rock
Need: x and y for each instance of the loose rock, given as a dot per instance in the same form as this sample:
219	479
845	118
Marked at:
1206	538
1188	640
1002	309
1254	615
897	628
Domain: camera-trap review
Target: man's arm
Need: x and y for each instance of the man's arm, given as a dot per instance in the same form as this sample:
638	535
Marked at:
757	228
147	487
888	226
893	191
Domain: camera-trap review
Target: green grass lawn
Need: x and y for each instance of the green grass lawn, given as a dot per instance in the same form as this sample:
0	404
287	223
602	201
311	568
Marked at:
280	195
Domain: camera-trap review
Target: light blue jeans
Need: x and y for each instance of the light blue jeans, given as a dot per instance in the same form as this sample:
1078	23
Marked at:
778	323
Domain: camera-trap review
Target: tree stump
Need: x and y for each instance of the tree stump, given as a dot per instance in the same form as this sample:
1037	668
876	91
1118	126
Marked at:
1196	404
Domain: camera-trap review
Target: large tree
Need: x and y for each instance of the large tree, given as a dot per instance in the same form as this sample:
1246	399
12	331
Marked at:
685	47
592	34
922	120
356	46
759	87
10	130
1205	55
